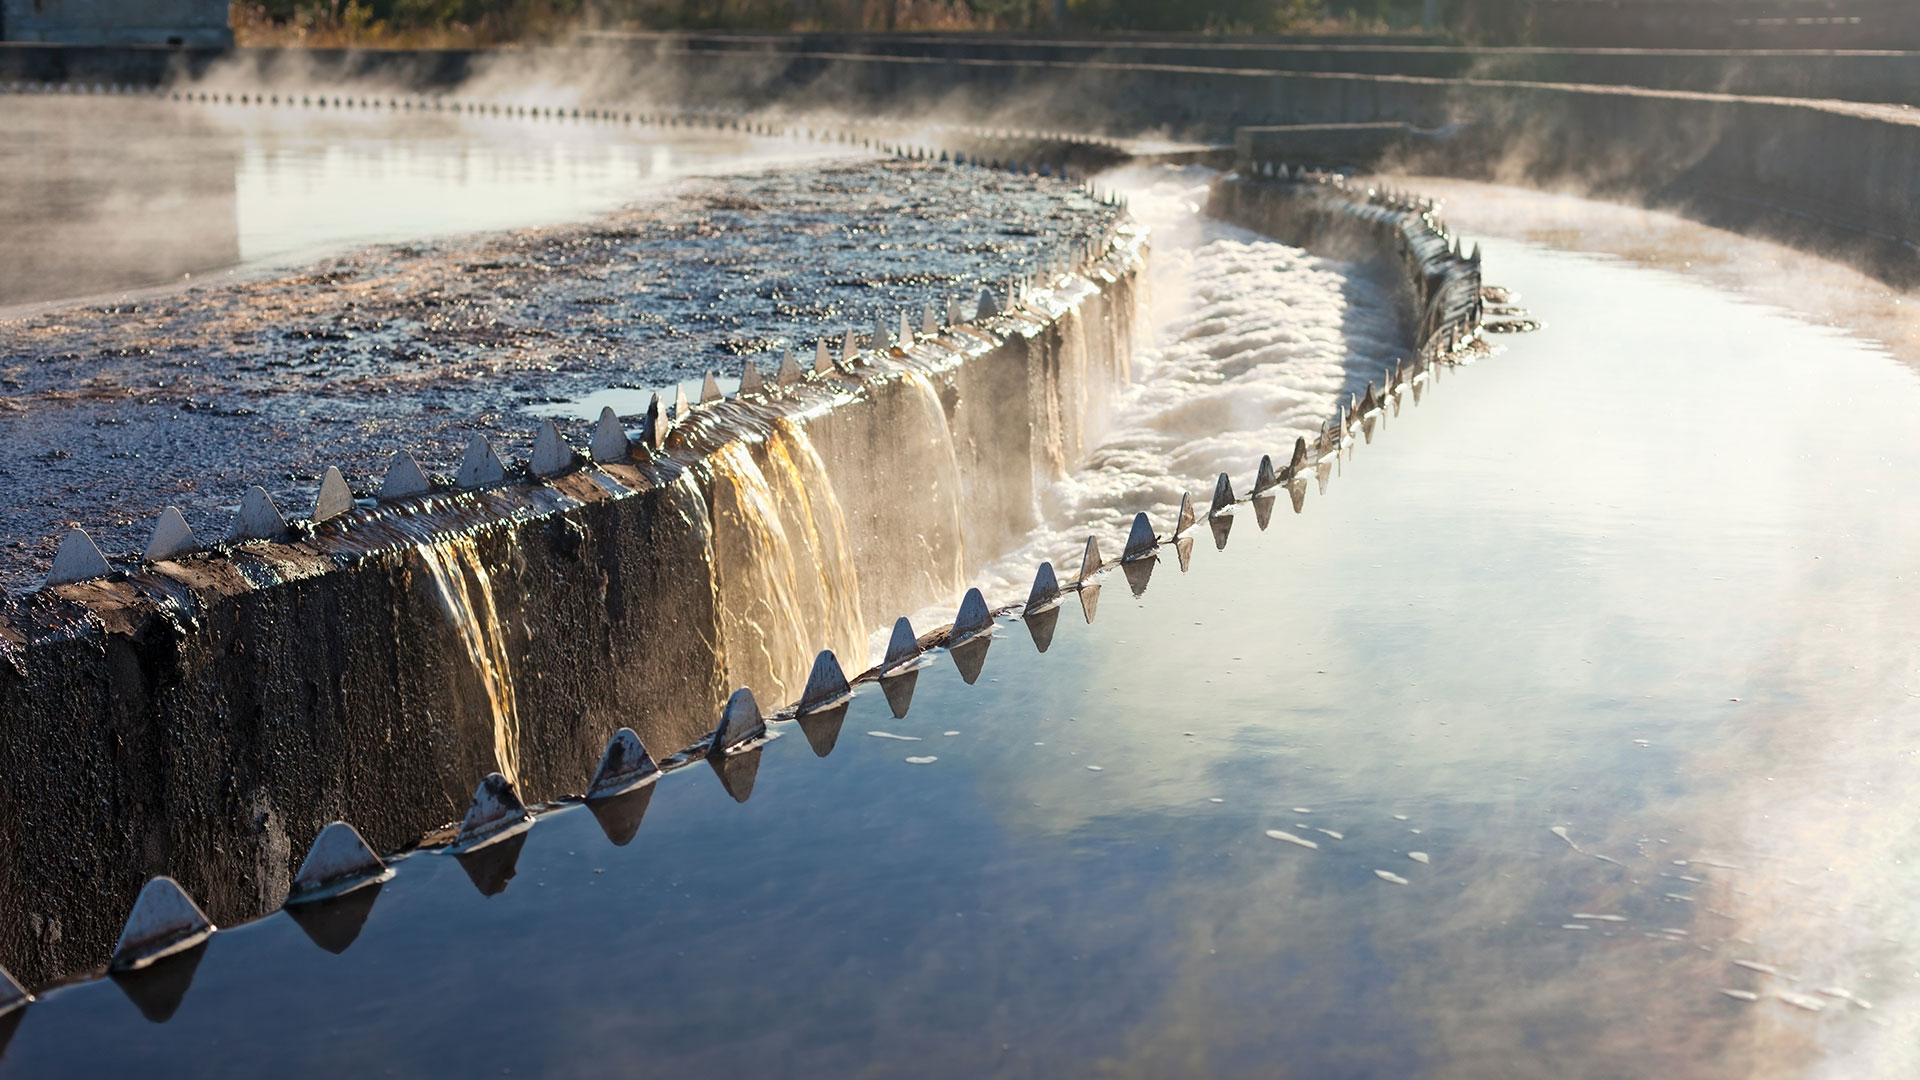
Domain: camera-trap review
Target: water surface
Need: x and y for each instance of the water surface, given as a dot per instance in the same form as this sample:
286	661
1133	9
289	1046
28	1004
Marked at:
110	193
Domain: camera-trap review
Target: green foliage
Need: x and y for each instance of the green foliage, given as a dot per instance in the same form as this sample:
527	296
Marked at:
1221	16
483	22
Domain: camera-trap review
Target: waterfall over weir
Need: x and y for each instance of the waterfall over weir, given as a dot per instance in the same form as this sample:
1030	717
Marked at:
787	582
464	590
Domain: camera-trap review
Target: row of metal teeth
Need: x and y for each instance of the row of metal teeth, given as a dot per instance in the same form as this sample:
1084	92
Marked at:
1392	198
166	921
871	134
79	559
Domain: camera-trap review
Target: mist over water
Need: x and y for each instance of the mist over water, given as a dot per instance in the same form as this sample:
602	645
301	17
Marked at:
121	193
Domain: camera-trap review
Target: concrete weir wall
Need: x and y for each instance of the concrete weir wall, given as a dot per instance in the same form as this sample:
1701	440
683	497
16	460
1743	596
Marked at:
205	717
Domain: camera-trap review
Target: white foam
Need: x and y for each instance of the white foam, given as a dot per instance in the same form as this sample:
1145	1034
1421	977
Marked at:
1250	344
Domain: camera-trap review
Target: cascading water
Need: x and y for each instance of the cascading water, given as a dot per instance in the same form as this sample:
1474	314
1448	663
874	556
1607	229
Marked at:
939	489
788	583
815	519
1251	344
464	590
758	578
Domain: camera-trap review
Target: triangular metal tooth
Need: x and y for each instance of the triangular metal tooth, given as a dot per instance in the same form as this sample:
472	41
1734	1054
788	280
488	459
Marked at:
973	619
405	478
335	497
1299	460
986	308
954	317
750	381
1046	589
902	646
1475	257
258	518
882	339
789	369
740	724
164	921
1222	496
1264	478
654	424
609	438
480	466
710	390
495	813
1140	539
12	994
848	347
551	454
172	536
1090	561
624	765
929	323
826	684
338	862
1185	518
682	408
822	362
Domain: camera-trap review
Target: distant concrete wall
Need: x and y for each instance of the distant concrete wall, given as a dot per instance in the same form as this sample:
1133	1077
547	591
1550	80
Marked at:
1880	75
1697	24
191	23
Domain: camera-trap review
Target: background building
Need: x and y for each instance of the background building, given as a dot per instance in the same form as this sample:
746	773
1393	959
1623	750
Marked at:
196	23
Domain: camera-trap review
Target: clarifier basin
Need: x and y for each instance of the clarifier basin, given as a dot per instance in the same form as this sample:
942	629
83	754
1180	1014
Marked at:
1557	724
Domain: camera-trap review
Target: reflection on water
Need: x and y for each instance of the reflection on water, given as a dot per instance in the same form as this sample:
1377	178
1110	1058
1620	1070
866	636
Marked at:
1589	681
101	195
